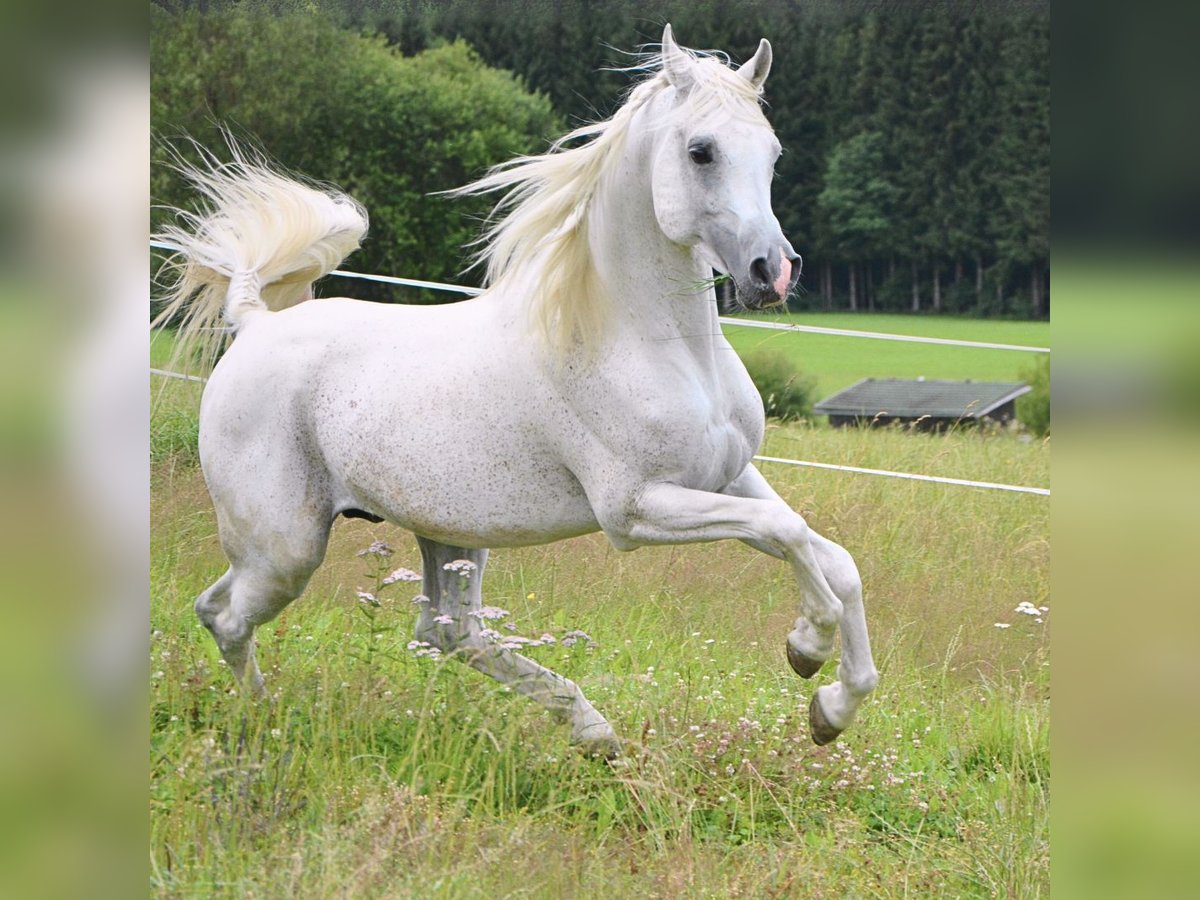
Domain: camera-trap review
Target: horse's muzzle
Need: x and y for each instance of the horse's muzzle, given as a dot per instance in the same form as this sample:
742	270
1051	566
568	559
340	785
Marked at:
763	286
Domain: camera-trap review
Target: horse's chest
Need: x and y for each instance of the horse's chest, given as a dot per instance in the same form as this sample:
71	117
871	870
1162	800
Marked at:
674	424
715	457
706	442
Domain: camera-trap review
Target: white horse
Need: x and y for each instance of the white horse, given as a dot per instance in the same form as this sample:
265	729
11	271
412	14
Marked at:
588	388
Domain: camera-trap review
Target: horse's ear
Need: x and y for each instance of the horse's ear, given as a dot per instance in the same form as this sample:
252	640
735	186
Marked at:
755	69
675	62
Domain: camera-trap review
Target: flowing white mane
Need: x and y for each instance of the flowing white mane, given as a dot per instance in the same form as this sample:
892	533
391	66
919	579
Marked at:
539	234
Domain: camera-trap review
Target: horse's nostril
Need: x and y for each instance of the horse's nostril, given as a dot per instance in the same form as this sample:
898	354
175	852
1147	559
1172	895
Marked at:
760	272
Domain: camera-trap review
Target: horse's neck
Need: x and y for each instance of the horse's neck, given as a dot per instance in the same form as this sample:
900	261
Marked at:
658	288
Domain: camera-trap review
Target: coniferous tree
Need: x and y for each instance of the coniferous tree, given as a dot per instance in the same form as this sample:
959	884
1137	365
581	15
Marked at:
1022	157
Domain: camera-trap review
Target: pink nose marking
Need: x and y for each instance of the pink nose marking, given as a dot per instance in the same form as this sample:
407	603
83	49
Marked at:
785	276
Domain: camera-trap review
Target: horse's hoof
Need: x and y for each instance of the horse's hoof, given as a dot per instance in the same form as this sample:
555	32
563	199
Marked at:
607	749
601	744
819	727
802	664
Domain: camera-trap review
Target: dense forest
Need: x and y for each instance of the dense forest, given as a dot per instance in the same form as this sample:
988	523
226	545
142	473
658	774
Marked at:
917	137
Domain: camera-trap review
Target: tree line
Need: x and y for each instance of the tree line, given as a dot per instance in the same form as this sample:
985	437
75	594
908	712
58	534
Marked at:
916	168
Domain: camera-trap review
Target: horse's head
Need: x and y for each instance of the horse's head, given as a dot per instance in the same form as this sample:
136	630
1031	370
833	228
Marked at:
712	172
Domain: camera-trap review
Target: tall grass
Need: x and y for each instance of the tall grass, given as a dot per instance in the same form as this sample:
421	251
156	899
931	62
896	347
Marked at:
374	772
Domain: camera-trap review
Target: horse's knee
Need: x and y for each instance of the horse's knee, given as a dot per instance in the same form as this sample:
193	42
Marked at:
788	531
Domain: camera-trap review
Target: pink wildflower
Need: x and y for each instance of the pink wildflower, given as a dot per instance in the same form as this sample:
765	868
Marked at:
400	575
379	548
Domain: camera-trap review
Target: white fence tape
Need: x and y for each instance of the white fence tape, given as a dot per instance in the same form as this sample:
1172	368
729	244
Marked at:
166	374
880	336
937	479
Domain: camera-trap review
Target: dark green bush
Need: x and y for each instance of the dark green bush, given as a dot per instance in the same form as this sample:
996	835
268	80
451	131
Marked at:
1033	410
787	393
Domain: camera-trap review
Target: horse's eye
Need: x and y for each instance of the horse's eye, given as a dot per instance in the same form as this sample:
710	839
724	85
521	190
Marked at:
701	154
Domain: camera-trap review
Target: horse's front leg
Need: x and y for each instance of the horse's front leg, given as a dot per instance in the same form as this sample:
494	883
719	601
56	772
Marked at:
833	706
670	514
451	620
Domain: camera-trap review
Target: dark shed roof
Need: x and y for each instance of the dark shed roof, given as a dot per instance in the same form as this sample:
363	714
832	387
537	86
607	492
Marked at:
901	398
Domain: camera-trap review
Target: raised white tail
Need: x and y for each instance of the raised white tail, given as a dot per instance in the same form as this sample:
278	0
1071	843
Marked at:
257	244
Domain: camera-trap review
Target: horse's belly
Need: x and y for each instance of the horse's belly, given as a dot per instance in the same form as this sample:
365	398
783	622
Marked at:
485	499
471	524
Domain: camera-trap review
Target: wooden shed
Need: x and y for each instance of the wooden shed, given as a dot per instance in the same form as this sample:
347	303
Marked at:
930	404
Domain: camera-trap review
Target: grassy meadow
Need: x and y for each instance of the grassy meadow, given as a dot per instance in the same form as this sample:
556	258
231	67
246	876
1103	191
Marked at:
375	772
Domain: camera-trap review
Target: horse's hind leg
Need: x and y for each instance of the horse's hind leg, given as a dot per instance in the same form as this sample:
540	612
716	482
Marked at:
270	567
450	621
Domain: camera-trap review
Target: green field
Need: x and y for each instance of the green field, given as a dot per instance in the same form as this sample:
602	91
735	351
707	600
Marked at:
373	772
838	362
